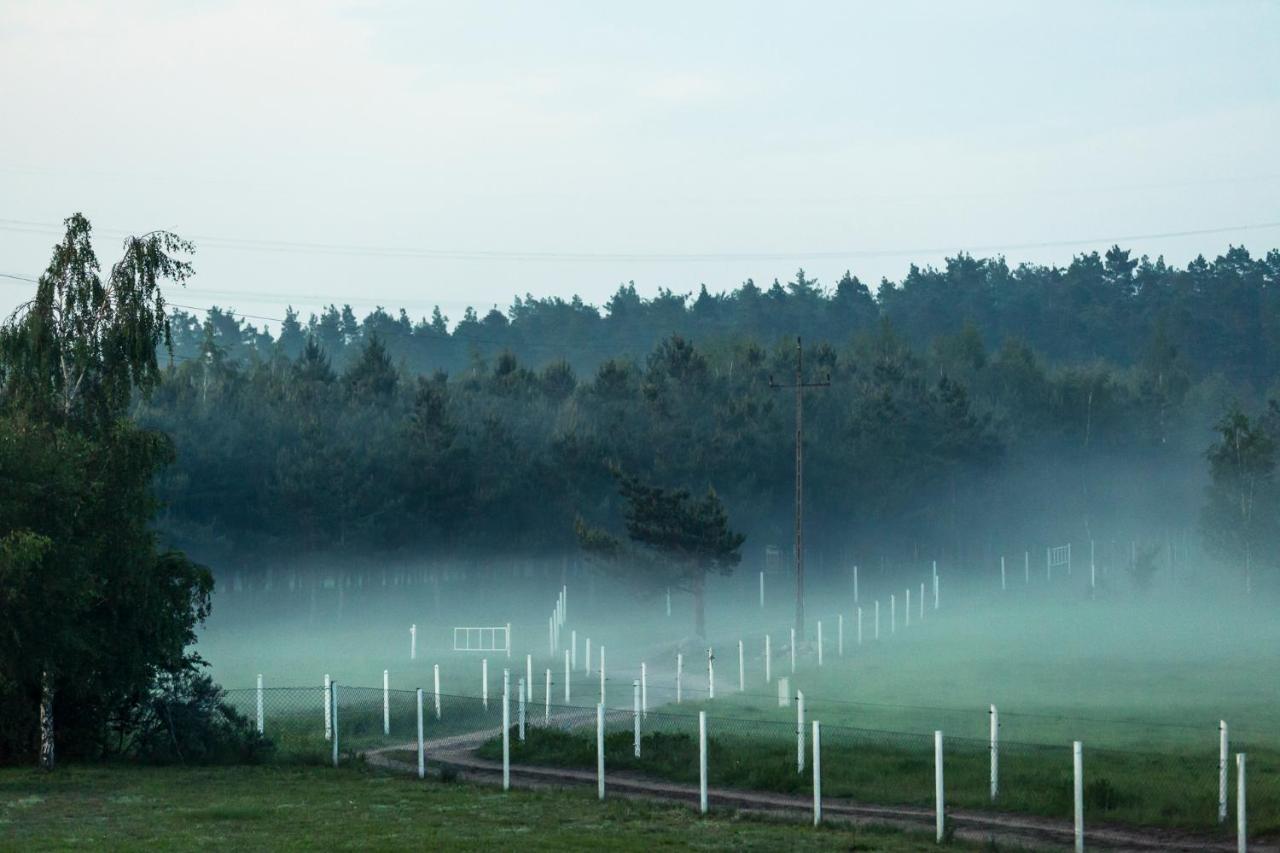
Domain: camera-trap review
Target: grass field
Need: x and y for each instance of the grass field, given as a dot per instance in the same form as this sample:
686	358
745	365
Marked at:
1141	678
297	808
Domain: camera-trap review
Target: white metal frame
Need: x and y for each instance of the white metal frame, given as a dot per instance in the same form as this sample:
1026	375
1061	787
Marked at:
473	639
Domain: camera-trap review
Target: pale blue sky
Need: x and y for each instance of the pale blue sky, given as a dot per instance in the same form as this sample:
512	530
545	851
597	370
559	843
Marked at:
829	135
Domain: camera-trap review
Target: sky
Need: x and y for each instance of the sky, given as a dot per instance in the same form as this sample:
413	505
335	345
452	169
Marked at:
418	154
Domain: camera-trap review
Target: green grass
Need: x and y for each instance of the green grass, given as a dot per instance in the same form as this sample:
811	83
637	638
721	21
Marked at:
1138	789
295	808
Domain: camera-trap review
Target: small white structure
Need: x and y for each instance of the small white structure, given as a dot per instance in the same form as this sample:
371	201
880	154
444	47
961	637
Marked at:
496	639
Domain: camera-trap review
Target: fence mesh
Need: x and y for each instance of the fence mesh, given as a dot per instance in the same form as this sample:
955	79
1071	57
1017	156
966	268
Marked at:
860	765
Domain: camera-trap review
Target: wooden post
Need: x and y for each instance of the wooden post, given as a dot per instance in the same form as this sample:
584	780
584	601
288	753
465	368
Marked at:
522	687
939	818
1077	773
506	730
333	701
599	750
635	717
995	753
328	710
1242	828
422	743
817	773
799	731
702	761
1222	771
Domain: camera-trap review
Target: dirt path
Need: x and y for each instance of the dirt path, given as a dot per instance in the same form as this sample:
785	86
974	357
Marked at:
1031	831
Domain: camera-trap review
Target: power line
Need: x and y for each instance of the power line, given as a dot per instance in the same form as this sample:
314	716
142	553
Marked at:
256	245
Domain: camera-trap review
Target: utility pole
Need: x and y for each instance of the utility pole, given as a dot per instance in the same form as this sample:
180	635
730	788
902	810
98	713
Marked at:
800	385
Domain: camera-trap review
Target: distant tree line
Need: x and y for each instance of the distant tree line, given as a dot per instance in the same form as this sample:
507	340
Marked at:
1221	315
971	408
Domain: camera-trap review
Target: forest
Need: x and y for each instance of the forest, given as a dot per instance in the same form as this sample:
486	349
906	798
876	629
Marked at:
969	407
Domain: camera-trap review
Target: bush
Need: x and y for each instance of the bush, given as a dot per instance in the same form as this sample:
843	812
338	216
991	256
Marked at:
188	721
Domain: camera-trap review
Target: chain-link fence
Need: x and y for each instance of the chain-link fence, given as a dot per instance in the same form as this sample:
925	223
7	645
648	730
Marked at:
1180	789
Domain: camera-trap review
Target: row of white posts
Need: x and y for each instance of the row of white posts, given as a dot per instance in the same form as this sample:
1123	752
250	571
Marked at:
1053	556
639	710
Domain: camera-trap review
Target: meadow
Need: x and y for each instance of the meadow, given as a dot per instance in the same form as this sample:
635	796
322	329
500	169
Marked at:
1141	677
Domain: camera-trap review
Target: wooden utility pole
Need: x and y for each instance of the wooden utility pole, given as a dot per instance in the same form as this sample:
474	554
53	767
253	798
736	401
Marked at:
800	385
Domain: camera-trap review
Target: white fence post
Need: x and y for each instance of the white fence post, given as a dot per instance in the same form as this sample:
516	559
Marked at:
936	585
586	664
819	642
793	651
601	674
333	701
506	730
668	601
413	642
711	674
422	743
484	682
528	676
1242	826
567	675
259	716
600	750
635	717
839	635
386	702
939	813
328	710
521	688
546	711
702	762
995	753
679	675
1077	773
1222	771
644	689
799	731
768	661
435	677
817	773
742	669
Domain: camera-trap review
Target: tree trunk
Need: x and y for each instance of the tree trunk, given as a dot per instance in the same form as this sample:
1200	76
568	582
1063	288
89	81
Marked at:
699	604
46	721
